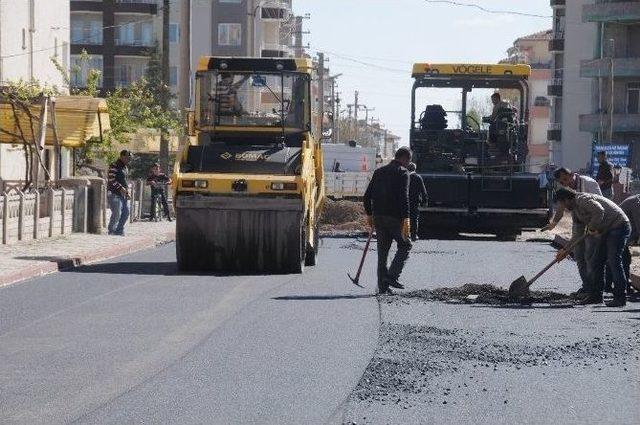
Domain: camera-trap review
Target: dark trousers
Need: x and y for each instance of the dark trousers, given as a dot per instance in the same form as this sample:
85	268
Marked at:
626	263
389	229
155	193
414	219
611	254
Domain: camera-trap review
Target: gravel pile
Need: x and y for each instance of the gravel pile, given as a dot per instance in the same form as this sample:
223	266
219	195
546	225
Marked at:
343	217
484	294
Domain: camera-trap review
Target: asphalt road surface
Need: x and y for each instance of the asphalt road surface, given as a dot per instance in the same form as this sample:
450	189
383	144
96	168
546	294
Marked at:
131	341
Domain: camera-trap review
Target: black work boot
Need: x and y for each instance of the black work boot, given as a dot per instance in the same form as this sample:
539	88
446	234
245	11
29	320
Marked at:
617	302
393	283
591	299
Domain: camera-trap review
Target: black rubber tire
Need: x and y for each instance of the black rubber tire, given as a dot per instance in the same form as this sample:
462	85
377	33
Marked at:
298	259
311	257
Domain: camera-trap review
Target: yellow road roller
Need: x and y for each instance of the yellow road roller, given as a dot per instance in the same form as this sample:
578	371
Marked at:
249	186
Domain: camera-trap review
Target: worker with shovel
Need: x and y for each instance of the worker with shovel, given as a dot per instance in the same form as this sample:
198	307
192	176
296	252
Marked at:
386	202
585	250
597	215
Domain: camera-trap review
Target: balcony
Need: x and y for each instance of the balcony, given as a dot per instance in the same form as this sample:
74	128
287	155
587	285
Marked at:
558	3
275	13
554	132
622	67
622	123
556	44
137	6
613	11
275	50
555	87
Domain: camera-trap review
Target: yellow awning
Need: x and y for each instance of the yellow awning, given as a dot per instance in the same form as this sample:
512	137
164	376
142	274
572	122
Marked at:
78	119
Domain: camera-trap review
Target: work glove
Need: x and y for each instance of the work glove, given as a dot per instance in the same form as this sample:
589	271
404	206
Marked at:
592	232
406	228
370	222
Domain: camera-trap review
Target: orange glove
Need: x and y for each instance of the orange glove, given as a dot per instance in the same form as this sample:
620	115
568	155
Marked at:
406	228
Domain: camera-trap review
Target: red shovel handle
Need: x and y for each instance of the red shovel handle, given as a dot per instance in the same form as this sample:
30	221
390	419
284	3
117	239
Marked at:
364	255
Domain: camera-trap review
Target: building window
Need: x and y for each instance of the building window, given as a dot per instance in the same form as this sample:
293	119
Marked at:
229	34
80	70
173	76
633	98
174	33
134	34
86	29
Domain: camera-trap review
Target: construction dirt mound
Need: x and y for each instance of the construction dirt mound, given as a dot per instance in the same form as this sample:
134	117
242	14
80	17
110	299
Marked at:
486	294
343	217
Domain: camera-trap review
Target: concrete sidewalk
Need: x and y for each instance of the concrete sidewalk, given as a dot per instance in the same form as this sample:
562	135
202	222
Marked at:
22	261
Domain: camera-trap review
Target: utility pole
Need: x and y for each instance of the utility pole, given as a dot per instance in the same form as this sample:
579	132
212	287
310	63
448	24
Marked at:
611	106
336	118
356	107
164	137
184	84
321	89
366	111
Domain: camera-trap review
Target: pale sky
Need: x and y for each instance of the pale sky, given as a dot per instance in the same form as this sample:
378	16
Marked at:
374	43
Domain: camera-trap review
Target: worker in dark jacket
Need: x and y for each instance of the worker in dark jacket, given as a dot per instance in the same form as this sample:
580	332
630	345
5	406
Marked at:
158	181
605	175
118	193
386	202
417	197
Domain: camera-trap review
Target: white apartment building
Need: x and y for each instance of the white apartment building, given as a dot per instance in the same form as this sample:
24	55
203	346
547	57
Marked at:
31	33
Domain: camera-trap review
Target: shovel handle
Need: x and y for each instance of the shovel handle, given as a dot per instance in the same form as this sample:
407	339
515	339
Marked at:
568	248
364	255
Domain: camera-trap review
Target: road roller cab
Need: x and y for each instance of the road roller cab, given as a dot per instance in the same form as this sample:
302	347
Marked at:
249	185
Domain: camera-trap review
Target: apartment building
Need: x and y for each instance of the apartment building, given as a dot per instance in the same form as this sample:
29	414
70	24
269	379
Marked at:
31	33
571	43
533	49
119	36
613	68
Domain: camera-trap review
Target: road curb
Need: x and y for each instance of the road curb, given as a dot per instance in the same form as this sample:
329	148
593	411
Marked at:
31	271
560	241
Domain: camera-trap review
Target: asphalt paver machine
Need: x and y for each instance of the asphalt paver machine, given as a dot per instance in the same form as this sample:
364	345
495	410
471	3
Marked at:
473	166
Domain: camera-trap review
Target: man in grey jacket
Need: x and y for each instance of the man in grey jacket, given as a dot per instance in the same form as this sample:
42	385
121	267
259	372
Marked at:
584	253
597	215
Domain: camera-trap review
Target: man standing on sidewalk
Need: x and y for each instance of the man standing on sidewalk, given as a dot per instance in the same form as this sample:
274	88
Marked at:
417	197
158	182
597	215
585	252
386	202
118	193
605	175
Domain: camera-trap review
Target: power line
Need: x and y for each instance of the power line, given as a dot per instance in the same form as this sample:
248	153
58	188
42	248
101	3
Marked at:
492	11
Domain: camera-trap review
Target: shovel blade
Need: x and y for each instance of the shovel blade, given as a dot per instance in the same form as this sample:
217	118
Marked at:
354	281
519	287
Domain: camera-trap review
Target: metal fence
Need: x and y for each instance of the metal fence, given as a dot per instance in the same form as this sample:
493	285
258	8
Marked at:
29	216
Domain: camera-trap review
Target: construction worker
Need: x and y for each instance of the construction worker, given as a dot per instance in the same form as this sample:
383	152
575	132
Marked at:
227	94
158	181
631	207
118	193
386	202
597	215
585	252
605	175
417	197
499	106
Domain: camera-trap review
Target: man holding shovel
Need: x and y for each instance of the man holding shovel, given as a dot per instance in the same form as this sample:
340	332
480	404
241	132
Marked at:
597	215
585	251
386	202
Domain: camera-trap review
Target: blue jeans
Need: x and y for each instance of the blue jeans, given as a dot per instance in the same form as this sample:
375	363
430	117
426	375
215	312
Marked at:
613	245
119	207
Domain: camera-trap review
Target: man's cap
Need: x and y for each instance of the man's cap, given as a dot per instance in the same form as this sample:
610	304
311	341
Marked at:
125	152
